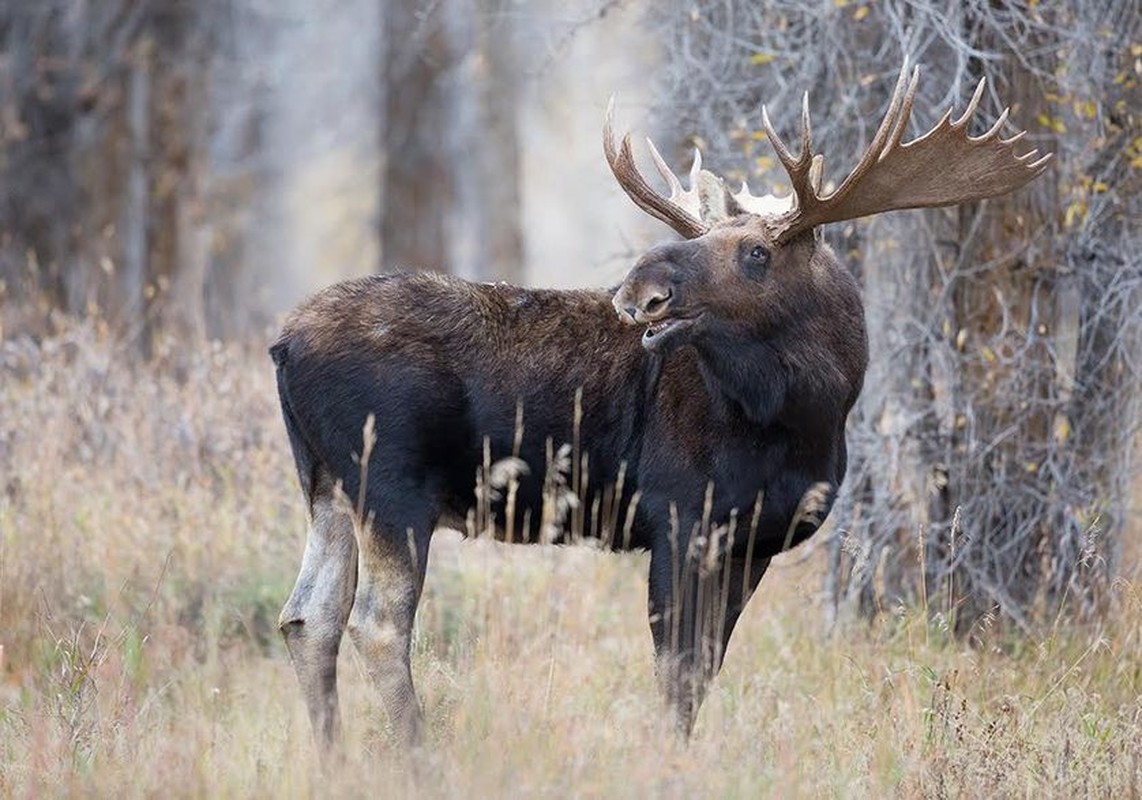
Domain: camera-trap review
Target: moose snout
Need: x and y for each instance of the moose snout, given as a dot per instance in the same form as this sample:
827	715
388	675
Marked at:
641	303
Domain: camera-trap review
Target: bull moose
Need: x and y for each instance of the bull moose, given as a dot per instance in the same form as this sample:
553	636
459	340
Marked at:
705	397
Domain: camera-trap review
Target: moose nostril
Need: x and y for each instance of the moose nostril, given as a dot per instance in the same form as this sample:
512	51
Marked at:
656	303
630	311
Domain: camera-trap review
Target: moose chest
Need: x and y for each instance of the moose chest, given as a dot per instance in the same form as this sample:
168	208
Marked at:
701	451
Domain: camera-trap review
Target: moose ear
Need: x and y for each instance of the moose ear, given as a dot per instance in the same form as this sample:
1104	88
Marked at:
713	197
733	207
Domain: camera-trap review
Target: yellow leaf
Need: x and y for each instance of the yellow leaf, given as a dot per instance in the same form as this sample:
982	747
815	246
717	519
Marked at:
1086	109
1100	186
1054	123
1062	429
1075	213
860	13
761	58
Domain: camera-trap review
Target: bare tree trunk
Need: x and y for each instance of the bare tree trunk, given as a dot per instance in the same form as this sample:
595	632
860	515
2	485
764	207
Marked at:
417	189
185	315
450	185
120	108
134	212
486	240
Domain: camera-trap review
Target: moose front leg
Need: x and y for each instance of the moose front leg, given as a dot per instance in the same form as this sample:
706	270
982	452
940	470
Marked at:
693	608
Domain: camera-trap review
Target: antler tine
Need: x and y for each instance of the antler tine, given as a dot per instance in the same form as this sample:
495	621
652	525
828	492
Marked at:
688	200
804	169
994	129
783	152
621	161
695	169
973	104
1014	138
806	128
664	170
816	173
902	111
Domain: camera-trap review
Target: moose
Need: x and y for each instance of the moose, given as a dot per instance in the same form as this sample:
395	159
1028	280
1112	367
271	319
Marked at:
706	398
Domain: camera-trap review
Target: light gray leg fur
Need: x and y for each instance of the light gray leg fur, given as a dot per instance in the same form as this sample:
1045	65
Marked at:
315	615
389	579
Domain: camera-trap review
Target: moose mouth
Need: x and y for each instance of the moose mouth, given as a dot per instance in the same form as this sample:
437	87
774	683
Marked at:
661	330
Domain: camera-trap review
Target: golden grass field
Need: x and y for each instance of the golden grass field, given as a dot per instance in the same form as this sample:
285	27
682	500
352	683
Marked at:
151	527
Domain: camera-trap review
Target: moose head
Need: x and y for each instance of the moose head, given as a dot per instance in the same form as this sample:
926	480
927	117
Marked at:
746	255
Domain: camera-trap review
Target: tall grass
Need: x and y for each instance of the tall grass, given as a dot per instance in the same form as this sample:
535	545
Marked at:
150	528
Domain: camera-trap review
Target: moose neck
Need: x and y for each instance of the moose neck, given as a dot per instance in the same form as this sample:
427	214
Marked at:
742	374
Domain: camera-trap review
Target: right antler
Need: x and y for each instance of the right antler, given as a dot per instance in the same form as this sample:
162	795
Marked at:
943	167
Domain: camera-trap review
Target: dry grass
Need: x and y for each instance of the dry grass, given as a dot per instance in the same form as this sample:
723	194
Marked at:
150	529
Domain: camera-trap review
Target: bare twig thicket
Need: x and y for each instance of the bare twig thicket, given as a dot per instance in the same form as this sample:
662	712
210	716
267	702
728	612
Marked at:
128	132
991	456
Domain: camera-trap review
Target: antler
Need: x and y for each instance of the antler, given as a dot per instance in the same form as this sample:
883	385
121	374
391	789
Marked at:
943	167
682	211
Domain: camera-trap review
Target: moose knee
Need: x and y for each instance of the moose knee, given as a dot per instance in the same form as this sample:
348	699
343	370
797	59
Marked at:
379	625
309	645
311	629
290	629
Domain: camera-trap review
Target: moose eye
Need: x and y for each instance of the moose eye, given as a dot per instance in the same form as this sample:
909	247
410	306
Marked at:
755	263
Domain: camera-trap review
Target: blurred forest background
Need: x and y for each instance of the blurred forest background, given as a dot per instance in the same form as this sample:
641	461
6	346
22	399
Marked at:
182	171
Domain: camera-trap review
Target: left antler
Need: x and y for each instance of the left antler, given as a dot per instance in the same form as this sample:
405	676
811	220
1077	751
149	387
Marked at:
943	167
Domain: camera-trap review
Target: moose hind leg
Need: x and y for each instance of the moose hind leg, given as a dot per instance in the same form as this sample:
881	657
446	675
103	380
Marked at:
390	574
313	619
